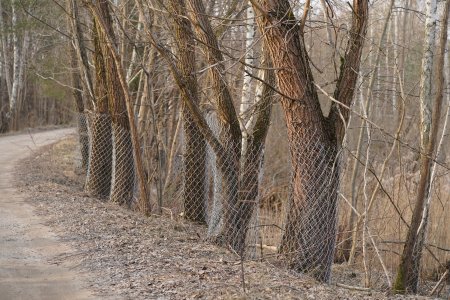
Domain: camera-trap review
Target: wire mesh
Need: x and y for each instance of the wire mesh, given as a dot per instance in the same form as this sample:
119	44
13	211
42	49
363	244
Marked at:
98	179
308	241
291	219
123	169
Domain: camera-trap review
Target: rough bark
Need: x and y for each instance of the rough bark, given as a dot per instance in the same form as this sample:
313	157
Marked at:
309	237
194	189
123	166
98	179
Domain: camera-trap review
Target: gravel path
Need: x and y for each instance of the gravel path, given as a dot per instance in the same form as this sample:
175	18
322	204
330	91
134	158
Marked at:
26	245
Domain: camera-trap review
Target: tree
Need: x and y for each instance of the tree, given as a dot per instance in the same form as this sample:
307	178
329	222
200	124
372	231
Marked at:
98	179
14	76
194	193
430	111
123	166
238	191
77	86
315	140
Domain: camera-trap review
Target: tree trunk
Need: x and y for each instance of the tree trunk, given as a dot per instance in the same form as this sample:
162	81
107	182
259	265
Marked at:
122	186
98	180
309	237
194	190
83	133
230	133
253	154
16	70
194	157
409	269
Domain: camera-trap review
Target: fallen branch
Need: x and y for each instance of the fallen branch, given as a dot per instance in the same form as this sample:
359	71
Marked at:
355	288
439	282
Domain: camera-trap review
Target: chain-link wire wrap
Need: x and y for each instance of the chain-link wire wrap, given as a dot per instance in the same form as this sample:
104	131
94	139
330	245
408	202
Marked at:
309	236
229	184
123	169
256	216
98	179
220	190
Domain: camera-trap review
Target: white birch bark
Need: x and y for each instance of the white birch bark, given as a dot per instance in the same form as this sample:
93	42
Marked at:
425	98
395	52
5	52
16	65
22	65
246	98
425	213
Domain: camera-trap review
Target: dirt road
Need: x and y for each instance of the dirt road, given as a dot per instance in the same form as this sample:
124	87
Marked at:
27	246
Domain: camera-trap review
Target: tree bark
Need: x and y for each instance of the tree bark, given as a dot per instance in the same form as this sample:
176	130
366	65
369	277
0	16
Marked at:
83	133
98	179
123	166
409	269
309	237
194	160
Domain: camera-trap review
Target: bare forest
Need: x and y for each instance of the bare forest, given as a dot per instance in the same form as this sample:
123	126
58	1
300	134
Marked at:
312	135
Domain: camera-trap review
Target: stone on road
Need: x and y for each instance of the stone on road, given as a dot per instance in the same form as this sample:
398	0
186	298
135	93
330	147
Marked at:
26	245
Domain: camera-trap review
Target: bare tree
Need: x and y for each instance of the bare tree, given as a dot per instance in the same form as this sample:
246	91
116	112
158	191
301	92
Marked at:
77	87
314	140
430	107
98	179
195	145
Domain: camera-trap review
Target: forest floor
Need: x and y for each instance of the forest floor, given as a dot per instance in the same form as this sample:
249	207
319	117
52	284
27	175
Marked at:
129	256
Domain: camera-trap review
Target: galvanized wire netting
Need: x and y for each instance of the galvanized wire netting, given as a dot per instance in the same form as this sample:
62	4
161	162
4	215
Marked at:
290	218
98	179
123	169
223	191
219	190
111	169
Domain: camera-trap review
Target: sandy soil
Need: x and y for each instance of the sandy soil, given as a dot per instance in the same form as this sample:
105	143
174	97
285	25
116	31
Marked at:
26	245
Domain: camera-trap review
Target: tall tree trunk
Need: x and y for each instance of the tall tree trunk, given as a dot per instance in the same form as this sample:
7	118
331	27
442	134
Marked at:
194	160
98	179
309	237
253	154
123	175
230	133
16	68
409	269
246	97
83	133
121	98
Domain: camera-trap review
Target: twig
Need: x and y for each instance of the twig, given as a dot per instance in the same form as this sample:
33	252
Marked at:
356	288
439	282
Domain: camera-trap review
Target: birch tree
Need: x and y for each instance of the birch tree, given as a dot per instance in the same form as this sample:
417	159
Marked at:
430	111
